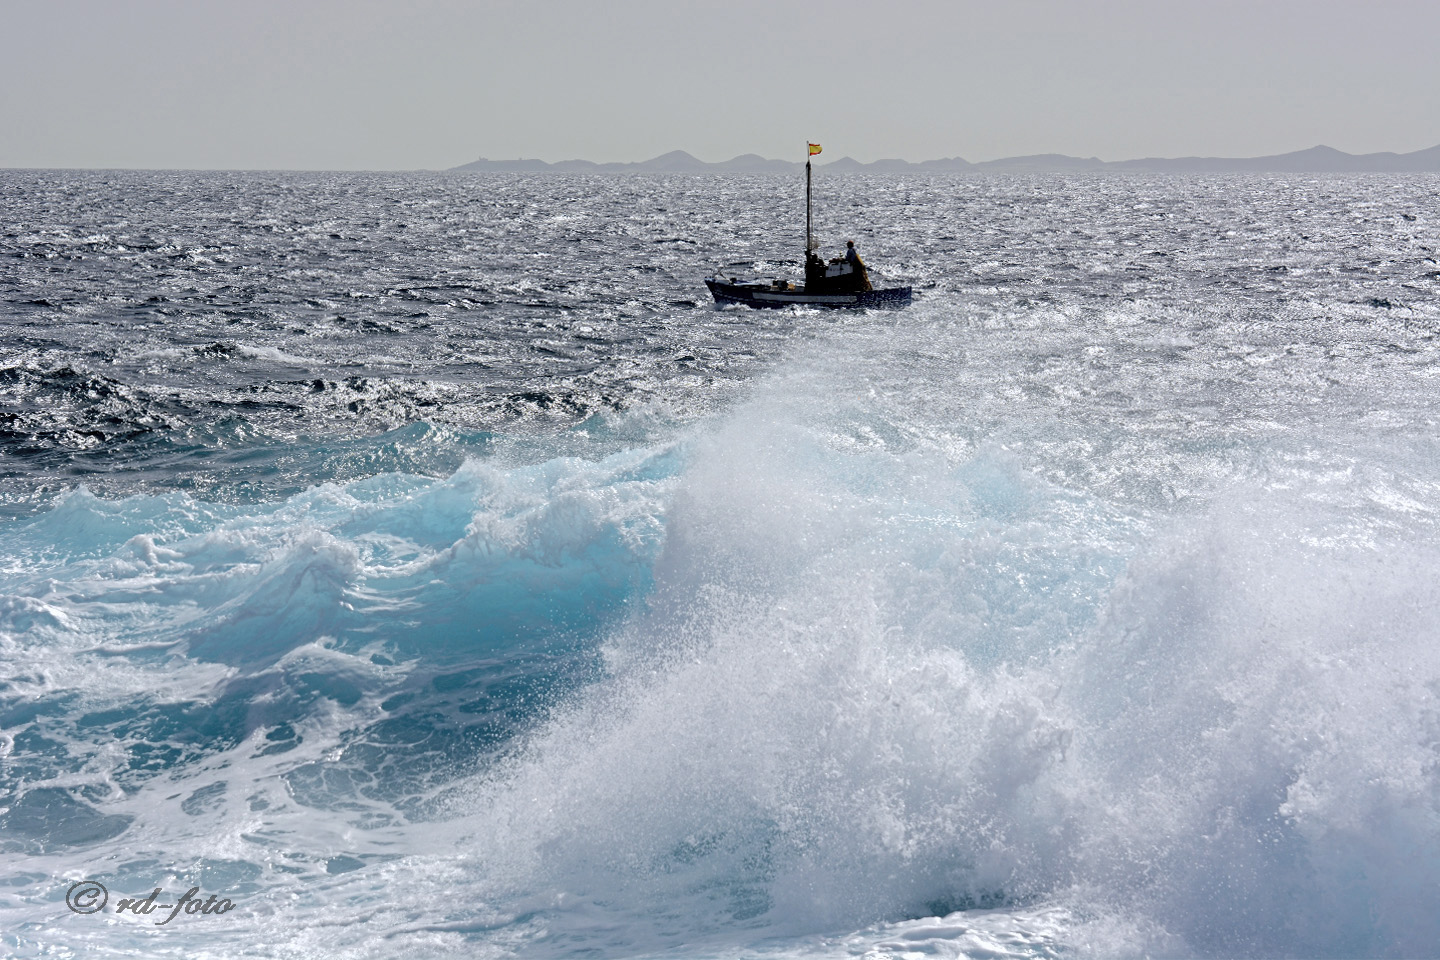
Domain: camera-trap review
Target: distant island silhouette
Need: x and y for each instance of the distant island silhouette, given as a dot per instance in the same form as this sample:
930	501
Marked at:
1319	159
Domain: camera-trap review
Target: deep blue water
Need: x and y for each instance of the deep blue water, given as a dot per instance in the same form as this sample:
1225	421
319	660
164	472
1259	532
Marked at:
423	563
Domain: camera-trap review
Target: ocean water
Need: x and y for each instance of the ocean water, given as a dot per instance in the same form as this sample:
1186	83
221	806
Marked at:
424	565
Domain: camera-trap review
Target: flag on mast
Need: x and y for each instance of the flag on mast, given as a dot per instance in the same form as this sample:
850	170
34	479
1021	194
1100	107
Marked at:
814	149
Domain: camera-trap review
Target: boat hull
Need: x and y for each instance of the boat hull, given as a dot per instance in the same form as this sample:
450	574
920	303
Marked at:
761	296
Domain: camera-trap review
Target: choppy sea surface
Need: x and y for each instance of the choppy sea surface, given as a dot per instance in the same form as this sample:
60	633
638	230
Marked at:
425	565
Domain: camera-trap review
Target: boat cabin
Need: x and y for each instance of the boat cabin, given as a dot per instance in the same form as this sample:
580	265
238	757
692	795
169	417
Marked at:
837	276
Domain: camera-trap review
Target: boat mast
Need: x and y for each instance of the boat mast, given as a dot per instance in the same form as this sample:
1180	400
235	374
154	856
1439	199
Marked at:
807	202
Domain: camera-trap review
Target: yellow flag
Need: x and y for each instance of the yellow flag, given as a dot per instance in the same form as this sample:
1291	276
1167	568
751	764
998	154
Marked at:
814	149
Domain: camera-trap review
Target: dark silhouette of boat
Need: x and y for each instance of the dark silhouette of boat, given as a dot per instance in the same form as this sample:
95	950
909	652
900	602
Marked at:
782	293
841	283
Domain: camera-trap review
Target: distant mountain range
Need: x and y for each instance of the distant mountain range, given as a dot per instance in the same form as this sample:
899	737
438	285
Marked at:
1315	160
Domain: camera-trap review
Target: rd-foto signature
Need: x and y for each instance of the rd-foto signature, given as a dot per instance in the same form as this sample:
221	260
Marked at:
90	896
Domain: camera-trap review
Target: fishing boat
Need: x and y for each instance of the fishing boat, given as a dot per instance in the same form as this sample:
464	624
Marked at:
840	283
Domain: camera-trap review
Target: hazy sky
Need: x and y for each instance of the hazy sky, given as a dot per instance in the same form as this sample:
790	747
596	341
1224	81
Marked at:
364	84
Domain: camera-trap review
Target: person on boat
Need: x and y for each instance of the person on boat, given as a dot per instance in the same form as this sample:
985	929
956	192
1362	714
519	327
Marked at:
852	257
814	268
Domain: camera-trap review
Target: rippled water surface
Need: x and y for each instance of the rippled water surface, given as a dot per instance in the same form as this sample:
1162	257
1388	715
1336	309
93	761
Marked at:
425	564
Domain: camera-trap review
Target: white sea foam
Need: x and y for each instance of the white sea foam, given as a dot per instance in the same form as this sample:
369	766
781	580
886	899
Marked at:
1175	724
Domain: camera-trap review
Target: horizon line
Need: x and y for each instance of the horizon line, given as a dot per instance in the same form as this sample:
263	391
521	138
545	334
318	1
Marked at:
684	156
1018	156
